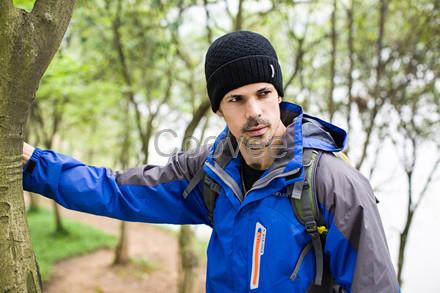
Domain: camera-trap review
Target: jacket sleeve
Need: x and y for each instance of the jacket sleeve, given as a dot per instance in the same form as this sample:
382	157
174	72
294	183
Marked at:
146	194
356	247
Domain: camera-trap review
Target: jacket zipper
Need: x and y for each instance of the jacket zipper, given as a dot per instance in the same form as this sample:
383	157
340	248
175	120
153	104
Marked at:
300	260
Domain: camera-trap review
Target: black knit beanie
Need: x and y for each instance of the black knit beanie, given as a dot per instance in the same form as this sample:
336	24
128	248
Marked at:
237	59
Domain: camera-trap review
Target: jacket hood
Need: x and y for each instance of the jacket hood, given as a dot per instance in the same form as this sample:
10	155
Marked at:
319	134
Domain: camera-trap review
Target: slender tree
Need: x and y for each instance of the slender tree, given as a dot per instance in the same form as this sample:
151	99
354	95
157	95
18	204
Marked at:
47	135
415	100
377	92
122	255
128	65
334	39
188	259
412	137
350	53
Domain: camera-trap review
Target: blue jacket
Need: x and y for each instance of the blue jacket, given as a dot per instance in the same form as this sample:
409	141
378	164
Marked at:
256	239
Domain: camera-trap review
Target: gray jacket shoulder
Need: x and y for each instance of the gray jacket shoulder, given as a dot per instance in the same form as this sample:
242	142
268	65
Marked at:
337	182
182	165
189	162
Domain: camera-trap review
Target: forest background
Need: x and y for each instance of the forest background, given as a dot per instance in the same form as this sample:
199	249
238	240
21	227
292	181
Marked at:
127	70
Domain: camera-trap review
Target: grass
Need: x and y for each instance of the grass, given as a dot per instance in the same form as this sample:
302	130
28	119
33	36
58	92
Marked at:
51	248
144	265
80	239
136	267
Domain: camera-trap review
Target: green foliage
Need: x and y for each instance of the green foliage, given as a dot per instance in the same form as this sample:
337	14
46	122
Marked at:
50	248
24	4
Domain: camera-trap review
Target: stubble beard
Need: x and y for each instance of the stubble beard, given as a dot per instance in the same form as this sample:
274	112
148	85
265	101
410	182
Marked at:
257	145
256	142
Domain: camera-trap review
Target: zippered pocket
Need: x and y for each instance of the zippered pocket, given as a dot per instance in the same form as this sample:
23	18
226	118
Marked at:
300	260
258	251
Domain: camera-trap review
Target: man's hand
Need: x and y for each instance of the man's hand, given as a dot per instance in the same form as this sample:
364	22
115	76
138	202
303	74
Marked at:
27	152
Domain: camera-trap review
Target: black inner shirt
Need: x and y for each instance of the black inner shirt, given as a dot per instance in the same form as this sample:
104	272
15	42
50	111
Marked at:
249	175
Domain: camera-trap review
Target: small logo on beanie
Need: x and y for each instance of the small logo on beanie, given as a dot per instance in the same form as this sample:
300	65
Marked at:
273	71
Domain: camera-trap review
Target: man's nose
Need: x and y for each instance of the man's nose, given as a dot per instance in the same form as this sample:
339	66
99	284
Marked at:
253	108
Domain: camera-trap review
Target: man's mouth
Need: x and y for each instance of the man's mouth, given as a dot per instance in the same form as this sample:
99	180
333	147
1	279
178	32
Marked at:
257	131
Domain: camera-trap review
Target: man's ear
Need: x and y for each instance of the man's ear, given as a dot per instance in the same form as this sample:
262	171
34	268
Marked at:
219	113
280	99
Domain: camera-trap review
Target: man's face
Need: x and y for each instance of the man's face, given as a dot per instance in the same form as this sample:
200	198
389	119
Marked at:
252	114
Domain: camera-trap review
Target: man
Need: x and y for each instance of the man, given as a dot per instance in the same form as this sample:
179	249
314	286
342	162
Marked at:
257	242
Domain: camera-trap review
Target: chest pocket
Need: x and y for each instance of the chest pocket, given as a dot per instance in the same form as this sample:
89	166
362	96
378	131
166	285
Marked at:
276	246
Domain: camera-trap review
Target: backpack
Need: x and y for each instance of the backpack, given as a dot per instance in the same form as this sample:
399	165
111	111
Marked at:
304	203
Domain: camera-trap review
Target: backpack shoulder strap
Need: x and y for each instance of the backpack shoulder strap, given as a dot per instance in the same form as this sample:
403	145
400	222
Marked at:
193	182
306	208
210	191
304	191
305	205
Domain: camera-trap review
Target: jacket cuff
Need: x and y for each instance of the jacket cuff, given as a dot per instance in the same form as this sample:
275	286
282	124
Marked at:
32	162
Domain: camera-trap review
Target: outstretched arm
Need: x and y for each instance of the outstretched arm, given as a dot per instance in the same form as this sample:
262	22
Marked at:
148	193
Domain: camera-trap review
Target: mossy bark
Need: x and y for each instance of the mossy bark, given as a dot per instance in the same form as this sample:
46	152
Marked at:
28	41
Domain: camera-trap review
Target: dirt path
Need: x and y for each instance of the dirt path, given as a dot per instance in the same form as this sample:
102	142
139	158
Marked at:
94	273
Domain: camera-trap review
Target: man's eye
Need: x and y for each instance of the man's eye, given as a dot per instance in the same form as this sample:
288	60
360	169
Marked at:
234	99
265	93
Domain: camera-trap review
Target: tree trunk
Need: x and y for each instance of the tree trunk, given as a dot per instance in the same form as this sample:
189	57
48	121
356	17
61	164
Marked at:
188	260
379	70
238	21
33	203
402	245
18	271
350	25
59	227
330	102
28	42
48	138
121	254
